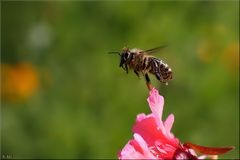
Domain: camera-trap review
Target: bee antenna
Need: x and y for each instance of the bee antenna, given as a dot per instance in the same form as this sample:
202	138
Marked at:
114	53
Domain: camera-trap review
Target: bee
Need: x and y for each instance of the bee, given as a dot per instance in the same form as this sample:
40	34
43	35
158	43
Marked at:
141	61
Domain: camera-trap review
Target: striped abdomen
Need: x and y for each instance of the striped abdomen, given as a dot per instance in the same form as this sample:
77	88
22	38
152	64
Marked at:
145	63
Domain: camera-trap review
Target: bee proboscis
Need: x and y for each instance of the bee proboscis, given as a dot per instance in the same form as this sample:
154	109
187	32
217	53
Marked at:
140	61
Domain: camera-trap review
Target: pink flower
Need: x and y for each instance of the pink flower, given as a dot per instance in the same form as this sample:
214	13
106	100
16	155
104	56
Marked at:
153	138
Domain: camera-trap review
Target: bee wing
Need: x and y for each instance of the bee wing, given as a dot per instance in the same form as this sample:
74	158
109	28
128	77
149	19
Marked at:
154	50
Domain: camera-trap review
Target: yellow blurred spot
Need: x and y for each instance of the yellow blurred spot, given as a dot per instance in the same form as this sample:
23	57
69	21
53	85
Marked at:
205	51
18	82
230	57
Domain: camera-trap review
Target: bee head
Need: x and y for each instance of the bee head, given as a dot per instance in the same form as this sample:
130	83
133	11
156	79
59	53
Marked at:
125	56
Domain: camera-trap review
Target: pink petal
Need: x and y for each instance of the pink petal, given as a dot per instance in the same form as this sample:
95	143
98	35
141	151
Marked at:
140	117
156	103
149	131
144	146
168	125
136	149
129	152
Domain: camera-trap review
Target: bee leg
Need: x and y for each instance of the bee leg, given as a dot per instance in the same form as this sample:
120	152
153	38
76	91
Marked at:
147	78
126	68
158	76
148	82
137	73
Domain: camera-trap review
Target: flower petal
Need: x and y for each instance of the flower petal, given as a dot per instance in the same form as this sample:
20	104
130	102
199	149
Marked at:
156	103
168	125
147	128
169	122
144	147
136	149
149	131
141	117
129	152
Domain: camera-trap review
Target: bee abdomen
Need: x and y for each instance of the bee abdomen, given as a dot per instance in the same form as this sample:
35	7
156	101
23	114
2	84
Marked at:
146	64
162	71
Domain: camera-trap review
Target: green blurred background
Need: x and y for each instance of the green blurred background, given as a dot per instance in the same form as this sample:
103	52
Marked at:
63	96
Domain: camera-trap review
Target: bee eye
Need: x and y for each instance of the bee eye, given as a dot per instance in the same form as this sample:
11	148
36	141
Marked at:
126	55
